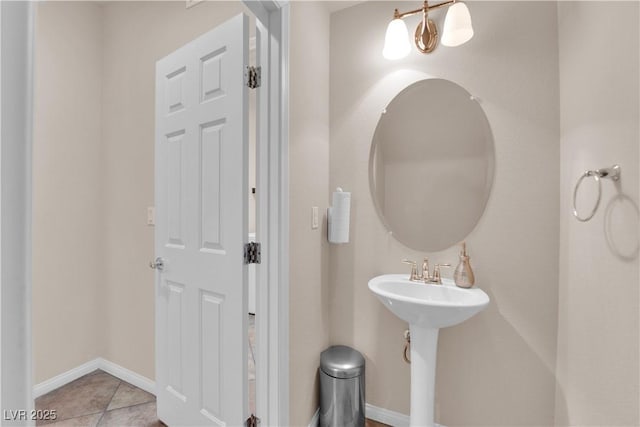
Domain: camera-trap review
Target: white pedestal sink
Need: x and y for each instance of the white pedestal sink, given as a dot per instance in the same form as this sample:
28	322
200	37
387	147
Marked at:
427	308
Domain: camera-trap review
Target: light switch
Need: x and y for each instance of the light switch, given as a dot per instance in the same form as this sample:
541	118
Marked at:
151	215
314	217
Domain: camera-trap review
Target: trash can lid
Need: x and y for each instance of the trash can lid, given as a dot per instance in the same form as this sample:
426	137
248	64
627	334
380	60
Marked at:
340	361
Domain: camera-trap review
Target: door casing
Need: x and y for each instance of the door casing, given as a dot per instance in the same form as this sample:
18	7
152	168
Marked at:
272	218
16	115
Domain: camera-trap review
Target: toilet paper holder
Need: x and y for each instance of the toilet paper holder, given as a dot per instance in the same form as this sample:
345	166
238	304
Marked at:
338	217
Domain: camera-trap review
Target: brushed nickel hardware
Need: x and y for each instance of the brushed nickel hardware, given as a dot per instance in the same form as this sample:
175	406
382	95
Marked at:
437	278
424	9
425	276
414	277
158	264
407	344
457	30
612	173
426	39
425	270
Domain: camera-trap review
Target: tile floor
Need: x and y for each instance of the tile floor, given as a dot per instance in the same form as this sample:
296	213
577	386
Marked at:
100	399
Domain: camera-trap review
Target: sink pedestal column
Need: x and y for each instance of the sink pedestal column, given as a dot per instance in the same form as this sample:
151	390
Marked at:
424	345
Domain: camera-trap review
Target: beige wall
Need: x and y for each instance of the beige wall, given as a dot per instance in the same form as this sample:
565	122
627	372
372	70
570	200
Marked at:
68	183
308	182
598	325
93	175
498	368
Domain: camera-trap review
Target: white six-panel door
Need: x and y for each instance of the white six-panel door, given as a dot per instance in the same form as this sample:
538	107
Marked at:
201	227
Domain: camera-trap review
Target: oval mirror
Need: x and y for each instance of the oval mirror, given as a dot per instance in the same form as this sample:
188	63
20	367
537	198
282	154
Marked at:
431	165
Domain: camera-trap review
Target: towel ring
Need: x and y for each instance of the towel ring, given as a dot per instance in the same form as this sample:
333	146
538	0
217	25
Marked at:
612	173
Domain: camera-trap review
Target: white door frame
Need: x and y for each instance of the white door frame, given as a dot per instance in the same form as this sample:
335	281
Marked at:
16	74
272	219
16	36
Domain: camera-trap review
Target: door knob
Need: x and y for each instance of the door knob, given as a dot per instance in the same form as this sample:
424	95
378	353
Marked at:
158	264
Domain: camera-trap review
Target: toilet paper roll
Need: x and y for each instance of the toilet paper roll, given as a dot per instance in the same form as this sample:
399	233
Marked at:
338	217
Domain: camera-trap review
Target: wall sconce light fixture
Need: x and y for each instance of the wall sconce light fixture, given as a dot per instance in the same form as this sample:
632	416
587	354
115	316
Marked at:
457	30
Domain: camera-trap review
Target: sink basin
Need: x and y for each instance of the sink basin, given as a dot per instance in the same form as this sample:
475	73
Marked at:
428	305
427	308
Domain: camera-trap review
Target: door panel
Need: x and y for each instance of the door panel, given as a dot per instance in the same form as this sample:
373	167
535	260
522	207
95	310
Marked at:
175	339
212	379
175	188
201	228
211	136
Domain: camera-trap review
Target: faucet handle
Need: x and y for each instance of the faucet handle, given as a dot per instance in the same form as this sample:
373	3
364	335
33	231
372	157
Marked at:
414	270
436	273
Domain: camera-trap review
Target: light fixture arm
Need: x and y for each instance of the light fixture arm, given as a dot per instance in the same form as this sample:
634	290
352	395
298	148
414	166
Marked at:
425	8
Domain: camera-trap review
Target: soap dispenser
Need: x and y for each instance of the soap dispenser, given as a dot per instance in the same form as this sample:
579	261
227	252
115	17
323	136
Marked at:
463	276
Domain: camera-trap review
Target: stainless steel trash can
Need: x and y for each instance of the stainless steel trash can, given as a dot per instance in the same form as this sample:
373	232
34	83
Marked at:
341	387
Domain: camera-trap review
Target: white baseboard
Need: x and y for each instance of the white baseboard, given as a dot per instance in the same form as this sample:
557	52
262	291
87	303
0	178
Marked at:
127	375
315	420
99	363
65	378
381	415
386	416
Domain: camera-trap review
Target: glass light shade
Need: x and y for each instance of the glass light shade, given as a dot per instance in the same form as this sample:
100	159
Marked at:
396	41
457	25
